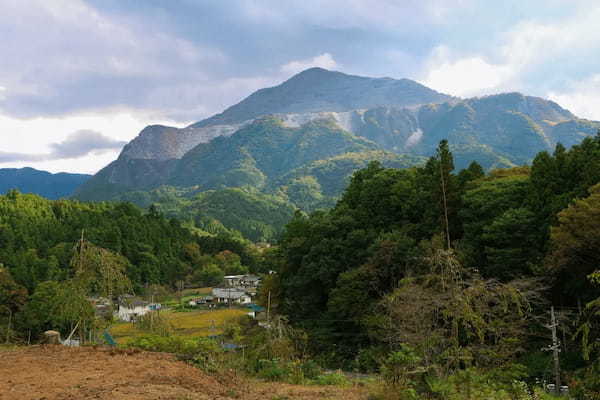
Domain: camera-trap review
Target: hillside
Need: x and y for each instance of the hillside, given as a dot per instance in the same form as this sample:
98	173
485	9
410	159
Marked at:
29	180
56	372
317	89
303	139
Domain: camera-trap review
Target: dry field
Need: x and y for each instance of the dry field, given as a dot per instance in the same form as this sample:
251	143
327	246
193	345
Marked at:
60	373
189	324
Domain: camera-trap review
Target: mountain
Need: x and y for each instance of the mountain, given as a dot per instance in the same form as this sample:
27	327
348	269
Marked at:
318	89
51	186
301	140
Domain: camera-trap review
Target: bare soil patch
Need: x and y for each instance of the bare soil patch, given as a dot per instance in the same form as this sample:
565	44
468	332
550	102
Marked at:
57	372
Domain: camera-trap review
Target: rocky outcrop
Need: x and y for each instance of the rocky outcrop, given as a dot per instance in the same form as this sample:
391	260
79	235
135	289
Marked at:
158	142
398	116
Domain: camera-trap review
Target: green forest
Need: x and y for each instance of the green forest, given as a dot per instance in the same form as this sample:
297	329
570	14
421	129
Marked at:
55	253
443	282
447	276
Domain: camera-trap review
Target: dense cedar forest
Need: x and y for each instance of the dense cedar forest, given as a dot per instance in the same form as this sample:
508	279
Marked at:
40	241
458	270
426	275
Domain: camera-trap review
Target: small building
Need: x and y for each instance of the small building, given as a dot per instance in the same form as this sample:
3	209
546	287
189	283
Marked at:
201	301
242	281
230	295
130	311
256	311
233	280
251	281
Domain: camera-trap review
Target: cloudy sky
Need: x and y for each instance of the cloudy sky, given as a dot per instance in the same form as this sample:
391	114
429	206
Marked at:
80	78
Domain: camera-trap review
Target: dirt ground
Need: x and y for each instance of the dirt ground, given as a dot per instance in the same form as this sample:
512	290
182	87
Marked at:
57	372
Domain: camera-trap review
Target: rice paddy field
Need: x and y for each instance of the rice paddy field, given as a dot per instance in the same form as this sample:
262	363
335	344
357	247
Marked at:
195	323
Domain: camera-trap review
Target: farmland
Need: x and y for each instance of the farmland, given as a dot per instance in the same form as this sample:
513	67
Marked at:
195	323
57	372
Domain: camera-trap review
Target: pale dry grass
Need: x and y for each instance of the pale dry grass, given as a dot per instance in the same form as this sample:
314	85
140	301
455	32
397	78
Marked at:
57	372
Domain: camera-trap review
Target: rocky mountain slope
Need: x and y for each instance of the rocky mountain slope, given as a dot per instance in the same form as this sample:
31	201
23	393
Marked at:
300	138
29	180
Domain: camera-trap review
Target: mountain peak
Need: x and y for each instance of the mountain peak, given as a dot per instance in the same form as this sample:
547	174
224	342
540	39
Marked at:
318	89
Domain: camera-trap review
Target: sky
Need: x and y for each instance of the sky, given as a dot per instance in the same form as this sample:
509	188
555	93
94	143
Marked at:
81	78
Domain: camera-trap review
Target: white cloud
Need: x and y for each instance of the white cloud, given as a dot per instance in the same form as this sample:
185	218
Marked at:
534	57
581	98
39	136
64	56
324	60
465	76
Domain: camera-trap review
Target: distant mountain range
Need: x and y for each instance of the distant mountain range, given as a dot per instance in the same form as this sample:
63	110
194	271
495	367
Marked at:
300	141
29	180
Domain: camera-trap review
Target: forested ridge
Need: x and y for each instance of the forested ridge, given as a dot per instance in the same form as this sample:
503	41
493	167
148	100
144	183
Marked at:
43	241
452	272
436	279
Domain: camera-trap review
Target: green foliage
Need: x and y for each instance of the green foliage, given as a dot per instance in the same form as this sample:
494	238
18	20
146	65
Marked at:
374	265
332	379
100	272
187	348
58	306
12	296
575	242
208	276
401	367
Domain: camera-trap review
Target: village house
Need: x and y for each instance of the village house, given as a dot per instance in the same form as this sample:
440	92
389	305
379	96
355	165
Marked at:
231	295
129	311
242	281
201	301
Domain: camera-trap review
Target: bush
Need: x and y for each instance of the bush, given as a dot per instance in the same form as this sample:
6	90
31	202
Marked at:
273	370
310	369
334	379
187	348
368	360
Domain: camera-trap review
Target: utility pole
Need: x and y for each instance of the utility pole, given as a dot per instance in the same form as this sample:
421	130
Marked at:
555	350
81	250
445	204
269	308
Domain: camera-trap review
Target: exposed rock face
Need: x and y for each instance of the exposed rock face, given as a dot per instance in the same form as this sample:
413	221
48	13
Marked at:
397	116
310	95
158	142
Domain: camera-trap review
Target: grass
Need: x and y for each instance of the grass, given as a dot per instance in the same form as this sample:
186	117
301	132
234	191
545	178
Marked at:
7	347
189	324
188	294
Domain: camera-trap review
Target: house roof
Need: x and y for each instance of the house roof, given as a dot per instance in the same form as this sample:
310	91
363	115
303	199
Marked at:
133	303
256	307
228	293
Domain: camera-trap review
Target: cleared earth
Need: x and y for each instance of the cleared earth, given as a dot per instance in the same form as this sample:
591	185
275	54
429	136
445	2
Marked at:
56	372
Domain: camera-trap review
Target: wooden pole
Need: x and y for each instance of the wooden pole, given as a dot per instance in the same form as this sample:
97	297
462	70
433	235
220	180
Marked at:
445	204
269	308
9	323
555	350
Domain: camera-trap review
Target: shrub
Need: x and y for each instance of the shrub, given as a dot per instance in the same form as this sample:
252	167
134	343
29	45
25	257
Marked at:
334	379
310	369
184	347
273	370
